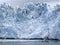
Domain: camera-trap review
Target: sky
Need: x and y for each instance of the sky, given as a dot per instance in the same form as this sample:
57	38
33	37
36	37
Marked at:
20	3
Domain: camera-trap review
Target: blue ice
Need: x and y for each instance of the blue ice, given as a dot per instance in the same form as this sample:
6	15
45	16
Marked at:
31	21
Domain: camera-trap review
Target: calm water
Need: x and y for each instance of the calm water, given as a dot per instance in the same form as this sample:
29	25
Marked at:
29	43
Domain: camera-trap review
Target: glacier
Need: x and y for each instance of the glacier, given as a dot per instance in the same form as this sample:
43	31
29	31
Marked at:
34	20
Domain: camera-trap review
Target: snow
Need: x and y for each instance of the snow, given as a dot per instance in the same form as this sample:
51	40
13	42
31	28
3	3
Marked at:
32	21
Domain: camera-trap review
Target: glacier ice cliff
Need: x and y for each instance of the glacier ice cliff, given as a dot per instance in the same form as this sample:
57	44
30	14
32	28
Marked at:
32	21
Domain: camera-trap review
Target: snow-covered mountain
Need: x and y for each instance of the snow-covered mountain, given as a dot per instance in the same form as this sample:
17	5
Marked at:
34	20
